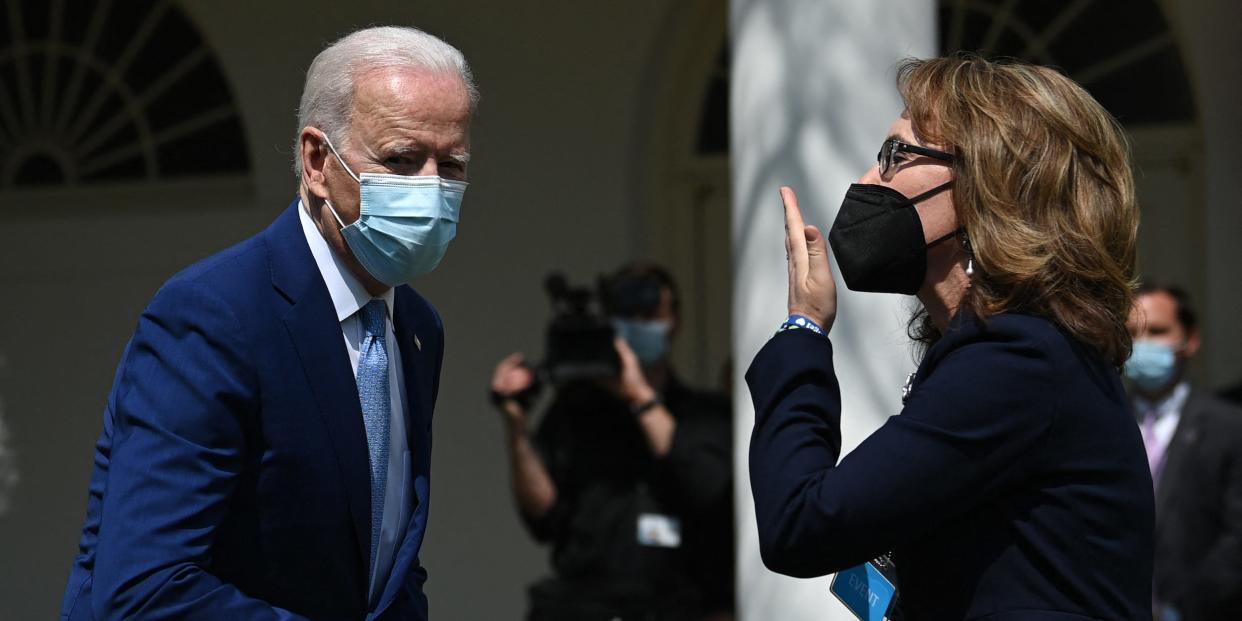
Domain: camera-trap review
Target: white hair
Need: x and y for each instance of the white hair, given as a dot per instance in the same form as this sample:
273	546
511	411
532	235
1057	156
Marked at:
328	96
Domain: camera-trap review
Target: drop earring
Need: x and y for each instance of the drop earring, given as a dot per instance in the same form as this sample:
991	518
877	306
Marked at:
970	255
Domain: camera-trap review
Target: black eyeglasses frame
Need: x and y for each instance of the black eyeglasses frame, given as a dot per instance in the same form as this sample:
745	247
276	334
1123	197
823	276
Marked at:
888	151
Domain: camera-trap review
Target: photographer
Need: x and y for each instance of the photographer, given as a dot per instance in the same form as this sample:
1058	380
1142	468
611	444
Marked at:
628	475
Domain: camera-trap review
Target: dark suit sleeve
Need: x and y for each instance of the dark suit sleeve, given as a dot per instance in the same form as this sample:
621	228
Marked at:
88	542
1217	579
968	429
178	446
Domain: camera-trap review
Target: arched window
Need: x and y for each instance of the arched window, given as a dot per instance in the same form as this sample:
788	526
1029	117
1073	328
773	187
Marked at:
1123	53
1127	56
106	91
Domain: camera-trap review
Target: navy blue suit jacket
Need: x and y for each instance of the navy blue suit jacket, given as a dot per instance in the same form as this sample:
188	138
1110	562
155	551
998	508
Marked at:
231	480
1013	486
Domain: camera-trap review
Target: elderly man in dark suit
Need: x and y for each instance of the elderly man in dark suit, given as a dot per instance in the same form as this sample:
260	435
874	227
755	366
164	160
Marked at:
1194	447
266	447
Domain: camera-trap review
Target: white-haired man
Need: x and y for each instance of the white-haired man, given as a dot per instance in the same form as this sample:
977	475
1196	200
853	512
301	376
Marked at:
266	445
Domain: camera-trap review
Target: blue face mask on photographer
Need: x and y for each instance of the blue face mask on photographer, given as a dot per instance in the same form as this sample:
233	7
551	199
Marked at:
405	224
1152	365
648	339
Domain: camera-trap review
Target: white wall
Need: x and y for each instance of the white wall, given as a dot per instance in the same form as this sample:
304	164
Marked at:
813	95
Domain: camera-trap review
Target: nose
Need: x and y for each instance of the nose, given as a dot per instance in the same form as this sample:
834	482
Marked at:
430	168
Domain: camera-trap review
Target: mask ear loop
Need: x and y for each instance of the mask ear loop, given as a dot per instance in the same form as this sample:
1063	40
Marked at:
970	256
334	213
928	194
340	159
944	238
331	207
326	202
932	192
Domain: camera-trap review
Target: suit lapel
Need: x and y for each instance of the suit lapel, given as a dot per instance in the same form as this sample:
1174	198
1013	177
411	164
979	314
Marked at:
316	335
414	366
1183	443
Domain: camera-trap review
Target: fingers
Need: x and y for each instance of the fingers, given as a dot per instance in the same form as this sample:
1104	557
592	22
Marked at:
793	215
812	291
816	245
795	232
818	267
511	375
509	362
631	386
627	355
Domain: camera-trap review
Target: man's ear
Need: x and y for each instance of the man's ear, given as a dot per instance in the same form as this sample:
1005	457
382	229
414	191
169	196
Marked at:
1192	344
314	156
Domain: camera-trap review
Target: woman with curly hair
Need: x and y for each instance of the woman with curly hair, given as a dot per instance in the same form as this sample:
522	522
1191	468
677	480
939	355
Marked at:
1013	486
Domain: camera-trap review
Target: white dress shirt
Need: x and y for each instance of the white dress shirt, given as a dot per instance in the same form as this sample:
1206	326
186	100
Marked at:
1167	413
349	296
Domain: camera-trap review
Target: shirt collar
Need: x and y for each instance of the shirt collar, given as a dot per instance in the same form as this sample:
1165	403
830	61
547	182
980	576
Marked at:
348	295
1168	405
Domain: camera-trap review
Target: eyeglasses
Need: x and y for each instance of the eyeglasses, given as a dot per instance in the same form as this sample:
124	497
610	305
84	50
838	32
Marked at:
887	157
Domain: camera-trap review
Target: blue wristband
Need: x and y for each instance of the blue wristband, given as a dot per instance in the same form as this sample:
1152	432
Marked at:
798	322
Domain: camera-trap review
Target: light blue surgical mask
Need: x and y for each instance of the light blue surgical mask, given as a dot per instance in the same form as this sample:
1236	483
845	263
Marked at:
404	223
648	339
1152	365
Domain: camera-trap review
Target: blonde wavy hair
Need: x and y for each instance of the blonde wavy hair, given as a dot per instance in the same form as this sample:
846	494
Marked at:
1042	185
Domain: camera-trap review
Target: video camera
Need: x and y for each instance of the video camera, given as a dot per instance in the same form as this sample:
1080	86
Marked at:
580	336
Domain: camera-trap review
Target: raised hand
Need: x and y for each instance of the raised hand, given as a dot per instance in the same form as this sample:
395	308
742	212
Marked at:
812	292
632	386
511	378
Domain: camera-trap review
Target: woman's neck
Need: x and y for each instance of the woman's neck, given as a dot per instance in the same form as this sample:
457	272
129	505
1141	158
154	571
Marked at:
943	297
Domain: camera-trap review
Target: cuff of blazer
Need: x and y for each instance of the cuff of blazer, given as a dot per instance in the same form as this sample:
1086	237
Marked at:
791	356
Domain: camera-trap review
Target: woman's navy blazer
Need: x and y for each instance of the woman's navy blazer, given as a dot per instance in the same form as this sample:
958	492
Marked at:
1012	486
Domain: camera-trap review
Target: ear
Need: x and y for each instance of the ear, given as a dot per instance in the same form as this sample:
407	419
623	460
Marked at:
1192	344
314	154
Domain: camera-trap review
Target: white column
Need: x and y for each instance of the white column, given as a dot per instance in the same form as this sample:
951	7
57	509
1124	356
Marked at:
1215	57
812	97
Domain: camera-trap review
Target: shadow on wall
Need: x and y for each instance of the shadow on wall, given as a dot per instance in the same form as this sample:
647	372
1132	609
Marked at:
812	95
817	142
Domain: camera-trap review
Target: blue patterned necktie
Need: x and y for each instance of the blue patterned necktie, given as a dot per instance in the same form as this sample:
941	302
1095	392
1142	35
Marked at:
376	409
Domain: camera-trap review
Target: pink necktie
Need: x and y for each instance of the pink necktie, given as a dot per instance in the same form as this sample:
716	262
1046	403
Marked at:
1155	449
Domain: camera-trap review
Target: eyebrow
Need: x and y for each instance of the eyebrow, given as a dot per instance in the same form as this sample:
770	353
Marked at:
402	150
461	158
